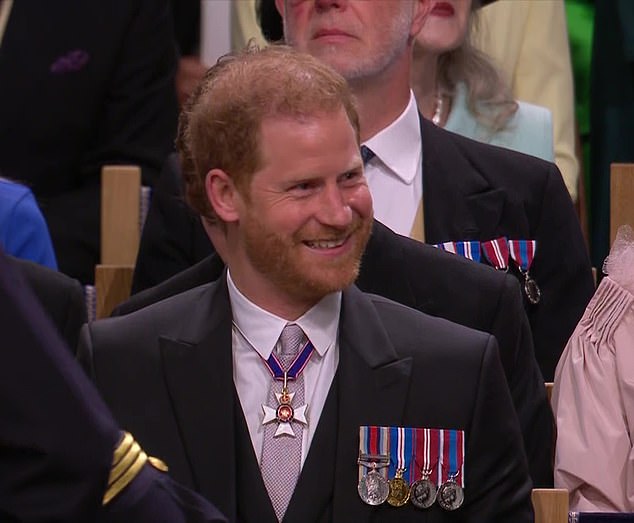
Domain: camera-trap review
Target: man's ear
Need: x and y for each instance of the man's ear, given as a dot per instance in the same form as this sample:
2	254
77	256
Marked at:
280	7
422	8
222	195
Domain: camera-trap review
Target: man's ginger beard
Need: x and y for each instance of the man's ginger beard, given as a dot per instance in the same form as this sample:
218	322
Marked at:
286	263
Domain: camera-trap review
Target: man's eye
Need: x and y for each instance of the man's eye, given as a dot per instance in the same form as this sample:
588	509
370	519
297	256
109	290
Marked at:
351	176
302	187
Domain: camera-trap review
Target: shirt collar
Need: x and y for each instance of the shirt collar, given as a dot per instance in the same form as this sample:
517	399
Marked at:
262	330
399	145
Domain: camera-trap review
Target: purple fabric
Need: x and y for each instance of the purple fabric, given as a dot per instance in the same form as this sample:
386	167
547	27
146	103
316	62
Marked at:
71	62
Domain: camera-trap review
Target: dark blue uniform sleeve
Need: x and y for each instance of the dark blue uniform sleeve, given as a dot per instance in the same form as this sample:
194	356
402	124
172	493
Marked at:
57	435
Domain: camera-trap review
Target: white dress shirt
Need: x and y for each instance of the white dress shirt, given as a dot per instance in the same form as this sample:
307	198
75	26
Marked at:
395	174
256	334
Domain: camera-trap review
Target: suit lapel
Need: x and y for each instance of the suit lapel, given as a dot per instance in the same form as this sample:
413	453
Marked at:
459	202
370	388
199	378
375	383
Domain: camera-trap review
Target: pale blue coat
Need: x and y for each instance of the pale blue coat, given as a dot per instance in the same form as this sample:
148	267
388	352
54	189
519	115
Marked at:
529	131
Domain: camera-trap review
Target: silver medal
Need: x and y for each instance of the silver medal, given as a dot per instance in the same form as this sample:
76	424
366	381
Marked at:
531	289
373	488
450	495
422	493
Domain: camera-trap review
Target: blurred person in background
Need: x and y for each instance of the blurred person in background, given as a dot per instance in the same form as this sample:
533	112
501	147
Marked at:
528	41
189	26
459	88
84	83
23	230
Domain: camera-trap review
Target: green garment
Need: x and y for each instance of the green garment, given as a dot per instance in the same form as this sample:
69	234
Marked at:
612	110
580	19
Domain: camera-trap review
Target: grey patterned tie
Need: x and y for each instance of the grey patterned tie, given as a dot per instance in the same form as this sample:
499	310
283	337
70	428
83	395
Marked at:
281	455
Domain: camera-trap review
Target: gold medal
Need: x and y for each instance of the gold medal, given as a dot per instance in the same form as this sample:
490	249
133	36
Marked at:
399	490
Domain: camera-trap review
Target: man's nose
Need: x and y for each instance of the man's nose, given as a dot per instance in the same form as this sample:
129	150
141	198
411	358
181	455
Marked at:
334	209
330	4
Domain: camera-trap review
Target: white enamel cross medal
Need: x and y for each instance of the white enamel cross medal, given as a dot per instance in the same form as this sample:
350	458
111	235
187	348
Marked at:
284	414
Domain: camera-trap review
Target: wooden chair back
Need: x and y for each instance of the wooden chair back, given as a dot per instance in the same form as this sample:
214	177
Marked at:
550	505
621	196
120	234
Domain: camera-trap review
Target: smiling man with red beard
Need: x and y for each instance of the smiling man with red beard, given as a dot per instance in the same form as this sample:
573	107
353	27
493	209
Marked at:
300	227
280	391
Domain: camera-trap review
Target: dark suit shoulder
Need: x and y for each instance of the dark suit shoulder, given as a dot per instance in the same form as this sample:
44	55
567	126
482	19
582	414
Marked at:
61	297
445	342
163	317
436	282
205	271
457	269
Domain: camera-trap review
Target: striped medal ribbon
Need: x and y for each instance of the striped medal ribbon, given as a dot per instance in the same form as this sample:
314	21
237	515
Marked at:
451	464
497	253
469	248
374	458
426	450
523	252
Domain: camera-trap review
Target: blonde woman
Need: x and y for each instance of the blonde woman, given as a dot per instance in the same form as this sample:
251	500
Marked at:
458	87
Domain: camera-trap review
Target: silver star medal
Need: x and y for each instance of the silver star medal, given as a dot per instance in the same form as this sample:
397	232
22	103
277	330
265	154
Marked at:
284	413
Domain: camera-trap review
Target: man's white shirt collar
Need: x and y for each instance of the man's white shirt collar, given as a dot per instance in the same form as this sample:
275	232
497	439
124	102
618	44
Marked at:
262	329
399	145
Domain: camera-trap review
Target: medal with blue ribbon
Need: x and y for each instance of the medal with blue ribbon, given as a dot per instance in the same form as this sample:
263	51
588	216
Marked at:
401	443
451	493
522	252
285	413
374	458
469	248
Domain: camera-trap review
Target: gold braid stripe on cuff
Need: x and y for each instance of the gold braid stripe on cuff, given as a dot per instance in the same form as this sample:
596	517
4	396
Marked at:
128	460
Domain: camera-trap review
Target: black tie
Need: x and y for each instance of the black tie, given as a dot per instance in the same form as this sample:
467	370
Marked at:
367	154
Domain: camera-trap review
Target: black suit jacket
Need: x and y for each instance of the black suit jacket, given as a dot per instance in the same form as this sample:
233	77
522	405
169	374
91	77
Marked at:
84	83
418	276
471	191
166	371
58	436
474	191
61	297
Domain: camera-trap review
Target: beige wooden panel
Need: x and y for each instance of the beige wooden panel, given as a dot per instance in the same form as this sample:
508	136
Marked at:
621	196
112	286
550	505
120	190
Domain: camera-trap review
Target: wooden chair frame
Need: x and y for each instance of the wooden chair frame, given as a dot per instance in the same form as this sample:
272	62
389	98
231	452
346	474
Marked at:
120	234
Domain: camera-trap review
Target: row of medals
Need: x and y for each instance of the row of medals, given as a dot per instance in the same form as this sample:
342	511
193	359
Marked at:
374	489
